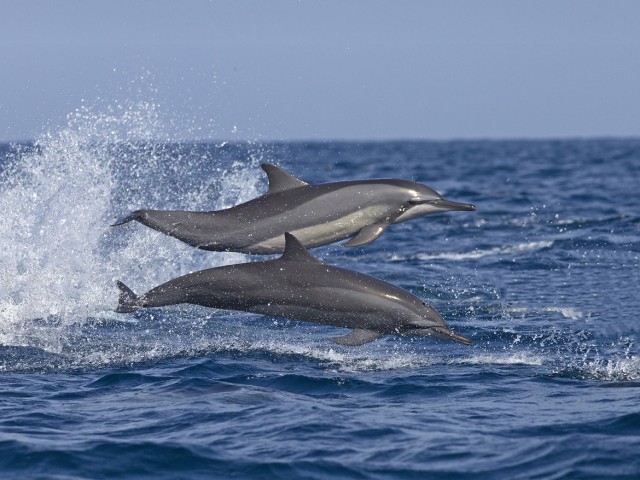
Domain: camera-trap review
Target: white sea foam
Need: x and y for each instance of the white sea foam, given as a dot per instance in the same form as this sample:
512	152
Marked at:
58	256
518	311
567	312
613	369
351	360
480	253
504	358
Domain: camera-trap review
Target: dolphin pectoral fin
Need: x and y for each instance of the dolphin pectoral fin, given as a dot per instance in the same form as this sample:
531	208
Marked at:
367	235
280	180
356	337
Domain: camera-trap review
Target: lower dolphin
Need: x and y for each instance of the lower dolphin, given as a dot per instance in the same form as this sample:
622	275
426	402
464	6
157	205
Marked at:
301	287
359	210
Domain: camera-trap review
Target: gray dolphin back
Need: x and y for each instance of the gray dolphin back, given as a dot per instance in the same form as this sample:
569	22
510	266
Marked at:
317	215
299	286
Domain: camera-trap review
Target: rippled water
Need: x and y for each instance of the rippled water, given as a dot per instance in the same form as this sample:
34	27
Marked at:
543	277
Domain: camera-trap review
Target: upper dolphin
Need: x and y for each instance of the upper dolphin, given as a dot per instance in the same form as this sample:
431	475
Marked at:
315	214
299	286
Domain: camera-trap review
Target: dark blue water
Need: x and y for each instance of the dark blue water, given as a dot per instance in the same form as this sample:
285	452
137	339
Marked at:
543	277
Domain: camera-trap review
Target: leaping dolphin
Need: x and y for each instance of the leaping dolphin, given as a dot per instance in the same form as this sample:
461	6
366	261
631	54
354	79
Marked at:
299	286
315	214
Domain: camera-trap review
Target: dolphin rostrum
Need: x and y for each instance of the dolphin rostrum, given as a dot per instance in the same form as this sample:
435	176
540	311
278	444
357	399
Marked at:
315	214
299	286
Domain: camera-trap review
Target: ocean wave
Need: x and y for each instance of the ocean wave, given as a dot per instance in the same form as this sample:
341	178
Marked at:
58	255
374	357
478	253
626	369
504	358
179	332
567	312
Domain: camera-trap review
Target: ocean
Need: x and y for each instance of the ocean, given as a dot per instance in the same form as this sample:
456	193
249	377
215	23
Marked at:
543	277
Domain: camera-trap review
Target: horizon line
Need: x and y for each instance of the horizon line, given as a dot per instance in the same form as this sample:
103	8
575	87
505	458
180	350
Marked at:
355	140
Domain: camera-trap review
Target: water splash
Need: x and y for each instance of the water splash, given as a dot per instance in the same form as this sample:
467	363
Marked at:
59	258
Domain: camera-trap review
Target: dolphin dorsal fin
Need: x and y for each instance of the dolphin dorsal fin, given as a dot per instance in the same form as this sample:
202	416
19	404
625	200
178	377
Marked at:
280	180
294	251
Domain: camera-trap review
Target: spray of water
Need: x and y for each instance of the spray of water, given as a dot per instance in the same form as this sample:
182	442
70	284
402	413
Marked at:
59	257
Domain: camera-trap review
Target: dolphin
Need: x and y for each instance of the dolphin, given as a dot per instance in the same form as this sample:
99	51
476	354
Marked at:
316	214
299	286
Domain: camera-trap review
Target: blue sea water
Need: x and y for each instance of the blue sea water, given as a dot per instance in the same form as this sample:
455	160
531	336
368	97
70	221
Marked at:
543	277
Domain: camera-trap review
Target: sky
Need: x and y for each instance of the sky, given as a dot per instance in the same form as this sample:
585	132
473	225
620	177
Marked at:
330	69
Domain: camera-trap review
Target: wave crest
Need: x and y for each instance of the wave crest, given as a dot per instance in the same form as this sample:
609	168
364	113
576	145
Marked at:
479	253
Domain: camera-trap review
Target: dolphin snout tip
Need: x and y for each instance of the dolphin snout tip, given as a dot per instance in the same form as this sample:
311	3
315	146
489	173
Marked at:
465	207
450	205
450	334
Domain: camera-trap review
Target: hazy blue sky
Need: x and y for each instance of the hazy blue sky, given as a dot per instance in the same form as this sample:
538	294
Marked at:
328	69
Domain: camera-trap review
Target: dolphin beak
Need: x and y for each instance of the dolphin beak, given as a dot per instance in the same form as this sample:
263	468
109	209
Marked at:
451	335
448	205
442	332
420	207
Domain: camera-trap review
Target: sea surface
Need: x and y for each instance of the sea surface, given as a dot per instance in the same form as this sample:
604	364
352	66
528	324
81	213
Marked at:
544	277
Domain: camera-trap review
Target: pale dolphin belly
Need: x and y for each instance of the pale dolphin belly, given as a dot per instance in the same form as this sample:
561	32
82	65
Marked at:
331	231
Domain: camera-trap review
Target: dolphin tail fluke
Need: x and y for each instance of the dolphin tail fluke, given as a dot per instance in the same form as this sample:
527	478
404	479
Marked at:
128	301
128	218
